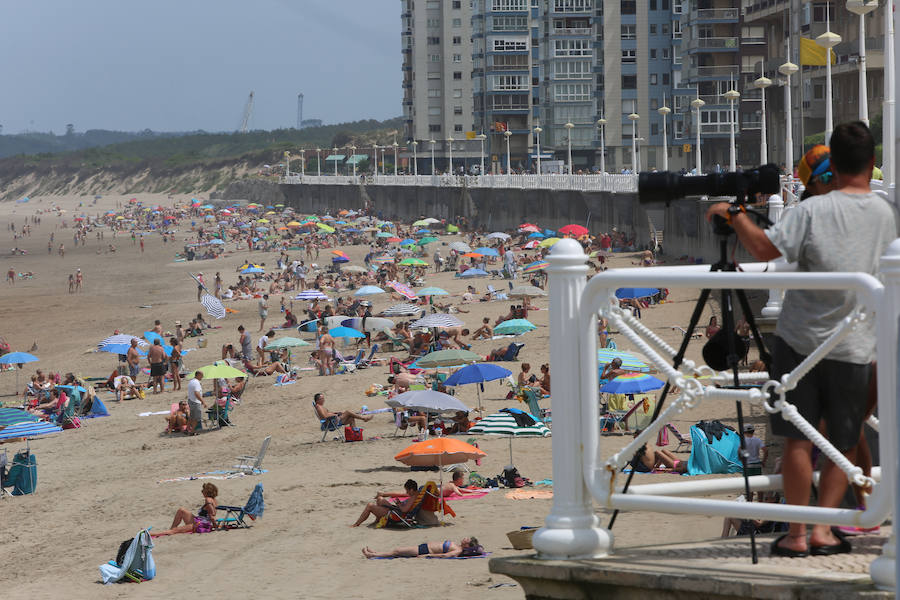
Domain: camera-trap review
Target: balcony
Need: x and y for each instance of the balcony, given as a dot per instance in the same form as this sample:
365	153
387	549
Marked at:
714	15
753	41
571	31
711	72
712	44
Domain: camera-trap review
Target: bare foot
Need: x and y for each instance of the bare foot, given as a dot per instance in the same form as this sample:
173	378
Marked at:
368	418
367	552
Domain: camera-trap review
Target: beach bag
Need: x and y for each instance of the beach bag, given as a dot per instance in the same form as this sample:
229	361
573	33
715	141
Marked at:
353	434
71	422
509	476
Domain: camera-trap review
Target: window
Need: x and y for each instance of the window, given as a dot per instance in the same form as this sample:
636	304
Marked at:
572	48
457	110
654	103
433	5
433	23
818	91
510	102
510	83
653	29
457	40
575	69
434	93
504	5
457	93
819	12
665	53
458	127
652	4
665	4
629	82
629	56
457	4
572	5
434	57
434	41
654	129
434	111
629	7
434	128
516	62
510	44
629	32
676	26
509	23
457	75
457	23
652	53
676	6
572	92
653	78
665	78
457	58
434	75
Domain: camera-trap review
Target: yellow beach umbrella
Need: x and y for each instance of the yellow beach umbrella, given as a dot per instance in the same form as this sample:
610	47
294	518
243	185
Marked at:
548	242
263	221
325	228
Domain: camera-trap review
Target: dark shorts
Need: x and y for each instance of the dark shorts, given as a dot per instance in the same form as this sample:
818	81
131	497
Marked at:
423	549
833	391
157	369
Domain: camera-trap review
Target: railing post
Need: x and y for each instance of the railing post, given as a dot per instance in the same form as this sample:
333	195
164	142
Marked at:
773	306
883	569
571	529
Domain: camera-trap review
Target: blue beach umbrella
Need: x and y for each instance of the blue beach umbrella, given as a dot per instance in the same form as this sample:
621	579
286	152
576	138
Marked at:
536	236
478	373
408	242
632	383
251	270
345	332
514	327
368	290
623	293
17	358
28	430
14	416
474	273
485	251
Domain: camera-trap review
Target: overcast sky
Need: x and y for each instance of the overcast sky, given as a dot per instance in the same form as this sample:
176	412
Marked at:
174	65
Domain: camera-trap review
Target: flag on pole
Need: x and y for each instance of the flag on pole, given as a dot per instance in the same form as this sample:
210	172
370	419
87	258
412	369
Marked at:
813	55
213	306
500	126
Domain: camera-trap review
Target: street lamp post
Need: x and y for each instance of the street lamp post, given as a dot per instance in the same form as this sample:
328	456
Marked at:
431	141
633	117
450	141
569	127
353	159
481	139
638	154
537	131
287	163
828	40
415	162
302	162
508	134
788	69
862	8
732	96
319	161
889	132
395	145
698	103
664	111
335	161
762	83
601	123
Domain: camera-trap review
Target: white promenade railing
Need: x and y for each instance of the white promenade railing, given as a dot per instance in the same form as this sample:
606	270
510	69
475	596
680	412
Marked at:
583	183
582	475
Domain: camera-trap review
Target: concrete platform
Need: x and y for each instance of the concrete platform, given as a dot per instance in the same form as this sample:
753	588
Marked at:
715	569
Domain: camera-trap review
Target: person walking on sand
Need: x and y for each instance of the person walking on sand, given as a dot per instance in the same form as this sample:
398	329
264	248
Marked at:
11	276
79	280
142	244
200	285
263	311
62	250
156	356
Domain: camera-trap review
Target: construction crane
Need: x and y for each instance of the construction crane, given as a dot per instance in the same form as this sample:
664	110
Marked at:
248	110
299	111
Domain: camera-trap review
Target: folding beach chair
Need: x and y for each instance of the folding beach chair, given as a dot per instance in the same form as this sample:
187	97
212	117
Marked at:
428	499
219	415
511	353
369	360
682	441
251	465
532	398
332	423
234	515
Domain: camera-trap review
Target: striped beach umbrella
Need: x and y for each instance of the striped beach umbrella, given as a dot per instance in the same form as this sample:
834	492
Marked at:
629	361
382	260
213	306
122	338
311	294
15	416
413	262
511	422
28	430
460	247
432	291
437	320
402	309
402	289
538	265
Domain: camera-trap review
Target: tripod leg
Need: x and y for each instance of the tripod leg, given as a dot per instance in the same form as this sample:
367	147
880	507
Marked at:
754	331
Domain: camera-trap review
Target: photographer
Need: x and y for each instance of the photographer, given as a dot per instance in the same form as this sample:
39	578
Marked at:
844	230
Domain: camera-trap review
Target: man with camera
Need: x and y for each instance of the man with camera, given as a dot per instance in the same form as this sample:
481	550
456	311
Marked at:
844	230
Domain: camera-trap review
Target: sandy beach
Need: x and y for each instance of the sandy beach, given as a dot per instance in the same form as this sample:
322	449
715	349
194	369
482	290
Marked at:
100	484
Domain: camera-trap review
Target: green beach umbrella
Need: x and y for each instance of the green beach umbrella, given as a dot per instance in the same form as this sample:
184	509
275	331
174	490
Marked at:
219	371
413	262
448	358
514	327
427	240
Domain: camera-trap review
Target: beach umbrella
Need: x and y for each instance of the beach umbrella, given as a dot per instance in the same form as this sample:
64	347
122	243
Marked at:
632	383
28	430
538	265
252	270
402	289
354	269
311	294
429	401
574	230
498	235
447	358
14	416
430	221
413	262
514	327
630	362
120	349
437	320
477	373
368	290
427	240
548	242
339	259
472	255
345	332
537	235
505	423
151	336
423	232
527	290
382	260
384	234
17	358
437	452
623	293
420	223
485	251
340	253
474	273
432	291
393	239
293	224
402	309
460	247
219	370
408	242
262	220
286	342
325	228
122	338
528	228
530	245
213	306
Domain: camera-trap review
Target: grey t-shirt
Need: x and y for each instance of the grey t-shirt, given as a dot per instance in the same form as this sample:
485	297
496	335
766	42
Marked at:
832	232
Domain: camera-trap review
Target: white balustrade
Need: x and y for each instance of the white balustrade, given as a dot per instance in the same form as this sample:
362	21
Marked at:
580	470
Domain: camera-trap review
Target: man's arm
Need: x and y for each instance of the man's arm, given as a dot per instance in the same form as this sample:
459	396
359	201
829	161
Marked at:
752	237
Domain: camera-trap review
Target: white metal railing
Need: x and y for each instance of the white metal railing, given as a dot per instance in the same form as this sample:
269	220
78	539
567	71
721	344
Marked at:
587	183
582	475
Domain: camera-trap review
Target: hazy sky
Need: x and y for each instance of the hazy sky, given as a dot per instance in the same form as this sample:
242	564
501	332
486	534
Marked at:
190	64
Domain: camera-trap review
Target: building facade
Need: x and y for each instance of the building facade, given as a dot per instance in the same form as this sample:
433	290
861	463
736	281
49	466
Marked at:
436	42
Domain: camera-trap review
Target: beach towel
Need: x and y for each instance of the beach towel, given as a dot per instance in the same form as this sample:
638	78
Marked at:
485	555
529	494
714	454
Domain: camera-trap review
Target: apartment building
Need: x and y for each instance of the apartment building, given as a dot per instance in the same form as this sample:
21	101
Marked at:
436	42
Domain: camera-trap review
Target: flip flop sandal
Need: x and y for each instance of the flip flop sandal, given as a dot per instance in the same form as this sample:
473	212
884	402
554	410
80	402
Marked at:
787	552
842	547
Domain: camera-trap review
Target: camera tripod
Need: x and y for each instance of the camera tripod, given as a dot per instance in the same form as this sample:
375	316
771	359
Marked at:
723	231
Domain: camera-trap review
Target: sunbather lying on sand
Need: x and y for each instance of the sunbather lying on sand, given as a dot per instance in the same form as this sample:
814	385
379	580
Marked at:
466	547
203	522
